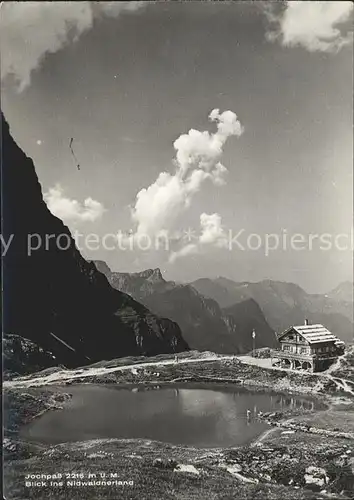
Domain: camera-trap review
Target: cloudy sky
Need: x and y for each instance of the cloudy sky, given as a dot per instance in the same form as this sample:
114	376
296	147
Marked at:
206	125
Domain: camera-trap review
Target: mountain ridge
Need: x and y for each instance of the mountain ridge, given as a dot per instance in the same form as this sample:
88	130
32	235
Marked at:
283	303
204	324
54	297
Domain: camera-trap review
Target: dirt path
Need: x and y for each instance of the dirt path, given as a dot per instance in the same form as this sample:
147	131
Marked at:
263	436
89	372
342	384
65	375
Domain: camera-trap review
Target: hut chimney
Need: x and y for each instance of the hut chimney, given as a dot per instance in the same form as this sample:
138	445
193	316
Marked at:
306	322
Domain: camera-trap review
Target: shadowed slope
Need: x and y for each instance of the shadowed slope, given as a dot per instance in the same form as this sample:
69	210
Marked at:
55	297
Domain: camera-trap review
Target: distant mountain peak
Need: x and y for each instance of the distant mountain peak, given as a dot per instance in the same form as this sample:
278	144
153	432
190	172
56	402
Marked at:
285	303
152	275
345	284
343	291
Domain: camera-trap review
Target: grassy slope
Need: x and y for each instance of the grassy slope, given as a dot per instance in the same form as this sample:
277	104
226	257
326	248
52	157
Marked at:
274	469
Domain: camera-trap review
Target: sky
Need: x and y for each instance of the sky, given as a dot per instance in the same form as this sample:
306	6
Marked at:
212	138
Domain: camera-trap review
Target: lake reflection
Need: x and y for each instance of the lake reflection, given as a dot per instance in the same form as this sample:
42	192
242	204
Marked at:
189	415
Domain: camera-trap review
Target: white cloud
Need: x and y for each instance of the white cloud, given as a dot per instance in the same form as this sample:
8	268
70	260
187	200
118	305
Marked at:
203	148
31	30
197	160
212	236
72	210
212	230
316	26
190	249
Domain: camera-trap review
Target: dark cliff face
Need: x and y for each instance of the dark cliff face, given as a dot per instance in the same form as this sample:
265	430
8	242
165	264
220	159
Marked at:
56	298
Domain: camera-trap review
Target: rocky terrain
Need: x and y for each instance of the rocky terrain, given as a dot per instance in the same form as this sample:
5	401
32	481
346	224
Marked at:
22	356
285	304
344	367
204	324
304	455
52	295
153	470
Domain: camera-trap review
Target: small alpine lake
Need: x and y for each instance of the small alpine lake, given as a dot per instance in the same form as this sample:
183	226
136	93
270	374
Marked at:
187	414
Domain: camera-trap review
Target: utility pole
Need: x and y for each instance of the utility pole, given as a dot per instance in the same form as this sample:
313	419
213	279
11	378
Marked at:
253	342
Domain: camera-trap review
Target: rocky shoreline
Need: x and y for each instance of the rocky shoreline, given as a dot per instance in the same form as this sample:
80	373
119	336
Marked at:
291	460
